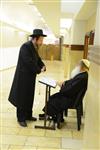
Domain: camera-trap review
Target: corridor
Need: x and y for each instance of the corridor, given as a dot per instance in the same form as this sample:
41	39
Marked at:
61	33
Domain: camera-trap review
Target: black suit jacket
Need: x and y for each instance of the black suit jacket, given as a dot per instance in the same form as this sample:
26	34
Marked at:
73	86
29	60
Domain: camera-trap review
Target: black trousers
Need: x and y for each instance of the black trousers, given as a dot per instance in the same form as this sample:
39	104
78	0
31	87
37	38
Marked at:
23	115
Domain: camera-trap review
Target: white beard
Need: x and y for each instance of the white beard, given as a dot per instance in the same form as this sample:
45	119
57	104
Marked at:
75	71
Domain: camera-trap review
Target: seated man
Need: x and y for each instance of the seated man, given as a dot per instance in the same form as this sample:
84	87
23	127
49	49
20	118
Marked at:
69	90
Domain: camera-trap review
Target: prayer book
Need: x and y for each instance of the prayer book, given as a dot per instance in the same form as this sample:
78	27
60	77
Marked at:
48	81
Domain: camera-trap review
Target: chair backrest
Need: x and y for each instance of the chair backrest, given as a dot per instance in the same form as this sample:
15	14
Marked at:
79	98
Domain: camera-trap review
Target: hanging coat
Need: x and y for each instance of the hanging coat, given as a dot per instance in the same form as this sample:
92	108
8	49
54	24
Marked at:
23	86
67	95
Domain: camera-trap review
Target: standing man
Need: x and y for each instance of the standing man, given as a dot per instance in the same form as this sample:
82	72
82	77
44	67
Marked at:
23	87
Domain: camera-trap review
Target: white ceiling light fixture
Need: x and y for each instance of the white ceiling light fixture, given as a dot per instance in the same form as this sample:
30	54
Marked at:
65	23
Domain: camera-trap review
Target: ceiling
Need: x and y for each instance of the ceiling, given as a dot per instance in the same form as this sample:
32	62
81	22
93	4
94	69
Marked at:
87	10
29	14
72	6
23	15
53	11
50	11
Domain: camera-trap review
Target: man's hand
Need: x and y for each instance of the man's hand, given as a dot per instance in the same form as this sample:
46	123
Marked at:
43	69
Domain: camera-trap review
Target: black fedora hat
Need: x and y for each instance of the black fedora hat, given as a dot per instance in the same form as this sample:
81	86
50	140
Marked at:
38	32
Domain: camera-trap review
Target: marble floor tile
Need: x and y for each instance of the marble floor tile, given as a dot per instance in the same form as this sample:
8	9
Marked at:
4	147
12	140
7	130
16	147
59	133
72	143
52	149
44	142
77	134
9	123
32	132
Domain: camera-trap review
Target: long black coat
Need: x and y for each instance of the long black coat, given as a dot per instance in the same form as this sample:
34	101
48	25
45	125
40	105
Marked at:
23	86
67	95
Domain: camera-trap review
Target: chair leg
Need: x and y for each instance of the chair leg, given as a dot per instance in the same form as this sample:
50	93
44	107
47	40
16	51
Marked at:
58	120
78	119
66	112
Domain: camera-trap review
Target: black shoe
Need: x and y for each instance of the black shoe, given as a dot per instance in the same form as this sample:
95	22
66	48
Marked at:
22	123
32	119
58	125
41	115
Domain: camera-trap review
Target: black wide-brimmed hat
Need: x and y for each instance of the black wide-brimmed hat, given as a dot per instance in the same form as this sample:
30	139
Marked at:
38	32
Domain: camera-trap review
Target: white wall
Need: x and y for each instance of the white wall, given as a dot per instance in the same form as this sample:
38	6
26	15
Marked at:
78	31
91	136
91	22
97	30
92	112
11	40
9	57
67	37
11	37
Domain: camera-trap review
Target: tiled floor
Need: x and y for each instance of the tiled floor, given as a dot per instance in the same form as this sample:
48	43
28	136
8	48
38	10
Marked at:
14	137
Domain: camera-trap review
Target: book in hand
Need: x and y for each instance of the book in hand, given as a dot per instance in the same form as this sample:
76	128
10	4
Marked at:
48	81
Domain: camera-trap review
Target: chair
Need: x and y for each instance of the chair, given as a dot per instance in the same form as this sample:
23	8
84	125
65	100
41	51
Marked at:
78	105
